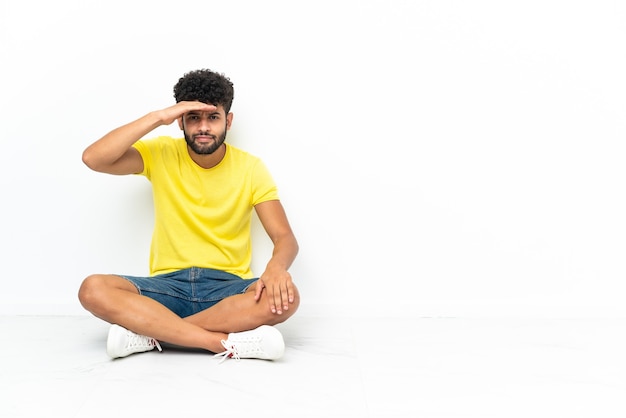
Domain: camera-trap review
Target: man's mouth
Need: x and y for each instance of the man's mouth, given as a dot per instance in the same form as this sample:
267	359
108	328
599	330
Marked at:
204	138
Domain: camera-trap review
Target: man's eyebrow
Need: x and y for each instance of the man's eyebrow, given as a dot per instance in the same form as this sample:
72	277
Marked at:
197	112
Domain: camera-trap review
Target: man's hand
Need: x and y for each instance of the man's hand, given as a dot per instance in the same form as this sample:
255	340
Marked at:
279	288
170	114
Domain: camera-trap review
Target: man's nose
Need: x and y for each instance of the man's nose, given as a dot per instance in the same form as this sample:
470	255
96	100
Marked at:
205	124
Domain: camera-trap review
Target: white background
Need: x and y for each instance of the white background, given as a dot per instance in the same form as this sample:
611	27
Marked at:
435	157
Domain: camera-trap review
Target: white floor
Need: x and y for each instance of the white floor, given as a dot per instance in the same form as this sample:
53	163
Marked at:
333	367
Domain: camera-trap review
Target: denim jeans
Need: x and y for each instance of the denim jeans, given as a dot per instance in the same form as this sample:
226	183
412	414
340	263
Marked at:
191	290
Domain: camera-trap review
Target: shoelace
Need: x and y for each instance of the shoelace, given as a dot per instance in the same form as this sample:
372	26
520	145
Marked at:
141	341
242	347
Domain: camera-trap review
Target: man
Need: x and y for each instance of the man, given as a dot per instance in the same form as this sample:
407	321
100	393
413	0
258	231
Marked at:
201	292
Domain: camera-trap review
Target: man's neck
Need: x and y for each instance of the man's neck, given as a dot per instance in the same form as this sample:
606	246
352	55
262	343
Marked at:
208	160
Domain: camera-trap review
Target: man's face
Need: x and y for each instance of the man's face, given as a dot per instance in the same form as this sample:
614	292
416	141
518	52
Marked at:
205	132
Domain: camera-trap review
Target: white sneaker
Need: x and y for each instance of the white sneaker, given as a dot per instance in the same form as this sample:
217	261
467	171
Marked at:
264	342
122	342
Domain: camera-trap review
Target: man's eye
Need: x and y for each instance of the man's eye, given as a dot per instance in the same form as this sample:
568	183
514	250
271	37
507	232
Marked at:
214	117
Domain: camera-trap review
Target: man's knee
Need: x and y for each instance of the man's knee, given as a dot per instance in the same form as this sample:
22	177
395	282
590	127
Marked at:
88	290
276	318
293	306
95	288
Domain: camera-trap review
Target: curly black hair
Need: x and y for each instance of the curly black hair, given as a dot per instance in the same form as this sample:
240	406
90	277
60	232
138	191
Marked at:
205	86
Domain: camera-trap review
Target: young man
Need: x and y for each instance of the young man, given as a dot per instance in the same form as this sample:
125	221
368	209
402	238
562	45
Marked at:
201	292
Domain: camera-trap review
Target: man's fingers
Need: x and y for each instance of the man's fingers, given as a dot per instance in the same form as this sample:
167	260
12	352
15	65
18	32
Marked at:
275	300
279	296
259	290
285	298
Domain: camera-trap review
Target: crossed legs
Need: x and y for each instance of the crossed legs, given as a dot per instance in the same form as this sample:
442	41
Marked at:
117	301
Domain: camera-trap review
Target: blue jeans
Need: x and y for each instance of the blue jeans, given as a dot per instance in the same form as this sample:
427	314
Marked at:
191	290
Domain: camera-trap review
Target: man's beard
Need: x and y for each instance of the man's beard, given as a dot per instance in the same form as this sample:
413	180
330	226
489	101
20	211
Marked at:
205	149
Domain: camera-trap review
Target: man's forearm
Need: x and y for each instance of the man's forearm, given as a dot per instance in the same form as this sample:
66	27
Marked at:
114	144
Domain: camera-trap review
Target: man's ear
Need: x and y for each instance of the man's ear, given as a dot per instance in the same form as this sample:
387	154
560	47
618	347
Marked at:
181	124
229	120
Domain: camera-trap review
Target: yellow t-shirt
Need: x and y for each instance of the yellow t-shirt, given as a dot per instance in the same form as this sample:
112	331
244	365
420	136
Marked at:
203	216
